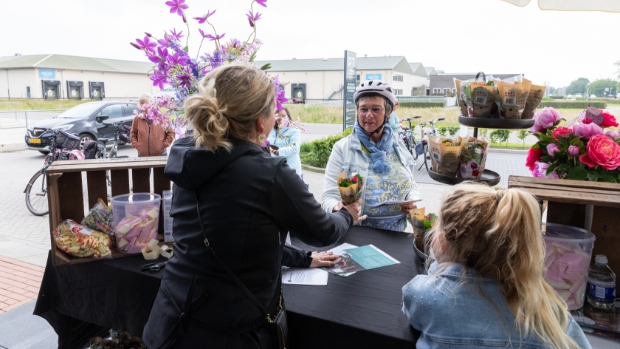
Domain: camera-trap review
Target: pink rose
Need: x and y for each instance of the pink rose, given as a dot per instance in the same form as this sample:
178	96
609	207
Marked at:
545	119
587	130
533	155
540	171
561	131
552	149
573	150
604	152
585	159
612	134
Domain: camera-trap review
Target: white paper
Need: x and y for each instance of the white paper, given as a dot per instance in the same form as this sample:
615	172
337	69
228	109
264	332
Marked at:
304	276
338	250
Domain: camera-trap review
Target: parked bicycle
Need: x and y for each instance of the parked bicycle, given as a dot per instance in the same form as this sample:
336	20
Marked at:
408	137
62	146
424	140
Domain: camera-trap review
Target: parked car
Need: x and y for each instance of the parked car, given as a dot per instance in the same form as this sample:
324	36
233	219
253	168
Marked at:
80	120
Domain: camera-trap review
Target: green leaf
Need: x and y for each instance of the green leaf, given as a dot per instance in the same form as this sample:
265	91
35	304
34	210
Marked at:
266	67
546	158
563	167
593	175
578	173
551	168
186	49
608	177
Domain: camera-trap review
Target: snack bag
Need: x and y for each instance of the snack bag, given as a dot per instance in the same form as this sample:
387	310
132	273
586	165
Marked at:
445	154
473	158
100	218
533	100
513	98
350	188
79	241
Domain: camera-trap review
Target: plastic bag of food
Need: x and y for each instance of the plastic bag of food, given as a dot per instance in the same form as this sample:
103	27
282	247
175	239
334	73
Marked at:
445	154
533	100
100	218
79	241
473	158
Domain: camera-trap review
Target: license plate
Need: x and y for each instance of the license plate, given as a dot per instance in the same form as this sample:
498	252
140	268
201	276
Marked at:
34	141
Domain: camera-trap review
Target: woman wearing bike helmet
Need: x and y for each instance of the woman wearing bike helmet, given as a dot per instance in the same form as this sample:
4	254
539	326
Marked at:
372	150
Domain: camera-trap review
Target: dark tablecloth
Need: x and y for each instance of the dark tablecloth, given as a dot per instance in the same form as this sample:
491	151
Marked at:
363	310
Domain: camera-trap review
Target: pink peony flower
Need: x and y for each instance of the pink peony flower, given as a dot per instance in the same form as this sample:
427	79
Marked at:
587	130
604	152
552	149
545	119
612	134
573	150
532	157
561	131
585	159
540	170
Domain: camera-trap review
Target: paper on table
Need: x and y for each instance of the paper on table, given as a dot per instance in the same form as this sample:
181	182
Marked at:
339	250
304	276
392	202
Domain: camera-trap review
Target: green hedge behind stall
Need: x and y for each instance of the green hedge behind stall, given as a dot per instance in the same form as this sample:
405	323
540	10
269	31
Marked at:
572	104
316	153
421	104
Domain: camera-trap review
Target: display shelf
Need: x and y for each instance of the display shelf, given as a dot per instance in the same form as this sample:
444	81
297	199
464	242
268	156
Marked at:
508	124
489	177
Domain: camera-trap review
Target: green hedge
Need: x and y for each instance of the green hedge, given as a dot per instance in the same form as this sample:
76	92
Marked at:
610	101
556	97
316	153
421	104
573	104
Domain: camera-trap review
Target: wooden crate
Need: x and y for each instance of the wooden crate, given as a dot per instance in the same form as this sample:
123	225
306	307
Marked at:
567	200
66	197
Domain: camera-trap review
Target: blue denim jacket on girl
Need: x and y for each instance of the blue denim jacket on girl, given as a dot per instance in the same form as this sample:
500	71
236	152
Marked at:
475	314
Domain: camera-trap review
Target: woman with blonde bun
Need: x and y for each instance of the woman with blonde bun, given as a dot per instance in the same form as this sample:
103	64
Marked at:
486	288
232	206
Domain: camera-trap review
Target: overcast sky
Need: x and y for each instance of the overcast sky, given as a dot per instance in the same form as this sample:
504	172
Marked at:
451	35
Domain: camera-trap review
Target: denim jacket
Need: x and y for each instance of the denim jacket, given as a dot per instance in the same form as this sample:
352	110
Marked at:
451	314
347	156
288	140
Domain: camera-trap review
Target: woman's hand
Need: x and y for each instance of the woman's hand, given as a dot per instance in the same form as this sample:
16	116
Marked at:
338	206
355	209
408	207
323	259
273	151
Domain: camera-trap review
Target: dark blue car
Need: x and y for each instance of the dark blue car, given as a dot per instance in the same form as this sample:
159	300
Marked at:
80	120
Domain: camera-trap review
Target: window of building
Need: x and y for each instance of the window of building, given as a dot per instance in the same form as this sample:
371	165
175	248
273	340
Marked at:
397	78
398	92
446	91
436	91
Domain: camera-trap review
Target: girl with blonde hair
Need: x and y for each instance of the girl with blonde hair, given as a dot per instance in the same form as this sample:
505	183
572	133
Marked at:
486	288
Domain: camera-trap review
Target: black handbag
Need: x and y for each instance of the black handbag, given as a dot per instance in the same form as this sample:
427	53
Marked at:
277	323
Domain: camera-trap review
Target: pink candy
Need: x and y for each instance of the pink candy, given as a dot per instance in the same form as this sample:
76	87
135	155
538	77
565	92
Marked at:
134	232
567	271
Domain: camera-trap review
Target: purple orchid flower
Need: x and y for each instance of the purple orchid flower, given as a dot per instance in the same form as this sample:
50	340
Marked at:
216	37
146	44
177	6
135	45
261	2
252	18
280	99
165	41
158	79
185	80
175	59
202	33
176	36
204	18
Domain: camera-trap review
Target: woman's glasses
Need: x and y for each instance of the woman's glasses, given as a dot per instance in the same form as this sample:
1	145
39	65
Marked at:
374	110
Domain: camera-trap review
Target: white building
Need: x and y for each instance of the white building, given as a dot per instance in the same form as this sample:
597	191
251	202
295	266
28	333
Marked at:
323	79
71	77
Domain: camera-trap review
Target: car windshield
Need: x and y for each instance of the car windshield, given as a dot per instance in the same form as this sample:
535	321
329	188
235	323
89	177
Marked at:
81	111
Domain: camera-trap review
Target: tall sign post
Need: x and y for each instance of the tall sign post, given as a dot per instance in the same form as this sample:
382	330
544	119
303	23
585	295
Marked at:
350	82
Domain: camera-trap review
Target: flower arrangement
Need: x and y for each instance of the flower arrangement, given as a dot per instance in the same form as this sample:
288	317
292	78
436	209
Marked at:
350	188
165	111
422	224
581	150
175	66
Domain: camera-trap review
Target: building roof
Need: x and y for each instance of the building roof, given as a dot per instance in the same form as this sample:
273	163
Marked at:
430	71
397	63
418	69
54	61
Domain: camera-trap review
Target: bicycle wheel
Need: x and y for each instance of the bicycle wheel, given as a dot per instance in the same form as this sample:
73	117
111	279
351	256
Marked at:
36	204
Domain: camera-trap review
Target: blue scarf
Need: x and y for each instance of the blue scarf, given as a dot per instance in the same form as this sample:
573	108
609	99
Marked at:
379	150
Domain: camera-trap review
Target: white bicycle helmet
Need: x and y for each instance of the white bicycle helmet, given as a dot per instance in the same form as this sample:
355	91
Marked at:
375	87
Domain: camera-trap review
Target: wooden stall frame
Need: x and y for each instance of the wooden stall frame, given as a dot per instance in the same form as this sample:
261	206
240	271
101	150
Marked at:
66	198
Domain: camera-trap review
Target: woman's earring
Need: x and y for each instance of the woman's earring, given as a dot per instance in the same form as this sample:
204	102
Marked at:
262	138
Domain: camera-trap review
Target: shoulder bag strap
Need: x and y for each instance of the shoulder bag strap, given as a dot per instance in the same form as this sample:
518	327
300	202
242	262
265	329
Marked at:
228	271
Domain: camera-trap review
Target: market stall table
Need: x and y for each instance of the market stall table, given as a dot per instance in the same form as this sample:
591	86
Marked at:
363	310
